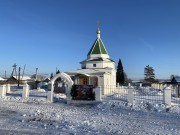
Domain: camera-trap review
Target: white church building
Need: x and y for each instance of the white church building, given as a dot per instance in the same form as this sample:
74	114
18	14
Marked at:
97	69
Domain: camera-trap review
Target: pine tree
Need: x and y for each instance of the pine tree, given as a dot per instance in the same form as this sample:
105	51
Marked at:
58	72
120	73
58	79
51	76
149	74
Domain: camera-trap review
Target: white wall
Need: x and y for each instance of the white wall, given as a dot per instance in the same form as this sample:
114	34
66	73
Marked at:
99	65
97	56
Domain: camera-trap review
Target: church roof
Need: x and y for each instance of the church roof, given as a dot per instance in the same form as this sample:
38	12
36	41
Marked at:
90	71
99	59
98	46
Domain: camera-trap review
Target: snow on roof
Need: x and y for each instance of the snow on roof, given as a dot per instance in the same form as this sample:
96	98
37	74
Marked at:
24	78
89	71
97	59
1	79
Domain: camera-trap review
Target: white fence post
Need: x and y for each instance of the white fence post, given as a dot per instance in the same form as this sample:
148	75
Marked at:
178	91
98	93
25	93
50	93
8	88
68	94
167	96
2	90
130	95
50	96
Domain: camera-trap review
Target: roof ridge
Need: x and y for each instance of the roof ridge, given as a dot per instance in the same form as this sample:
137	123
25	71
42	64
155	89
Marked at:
99	45
93	46
104	46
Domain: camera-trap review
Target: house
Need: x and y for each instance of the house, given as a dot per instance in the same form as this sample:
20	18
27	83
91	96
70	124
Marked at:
14	79
2	79
97	69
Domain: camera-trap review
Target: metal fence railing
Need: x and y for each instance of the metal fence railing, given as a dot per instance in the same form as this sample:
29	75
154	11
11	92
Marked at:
148	94
114	93
174	95
140	94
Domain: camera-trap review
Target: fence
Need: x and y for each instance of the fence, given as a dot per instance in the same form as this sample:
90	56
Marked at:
148	94
15	87
114	93
175	94
140	94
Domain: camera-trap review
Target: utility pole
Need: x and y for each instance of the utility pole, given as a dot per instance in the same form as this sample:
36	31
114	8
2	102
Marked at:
23	71
36	78
19	76
5	74
14	70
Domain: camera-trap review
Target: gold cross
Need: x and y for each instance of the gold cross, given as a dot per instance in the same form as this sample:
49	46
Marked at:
98	24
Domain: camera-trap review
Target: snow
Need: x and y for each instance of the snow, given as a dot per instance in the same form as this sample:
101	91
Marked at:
1	79
25	78
36	116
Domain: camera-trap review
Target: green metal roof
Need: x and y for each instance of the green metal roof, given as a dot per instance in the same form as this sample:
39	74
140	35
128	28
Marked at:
98	59
98	47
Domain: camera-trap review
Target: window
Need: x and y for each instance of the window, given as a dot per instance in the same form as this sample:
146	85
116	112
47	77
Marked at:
94	65
85	81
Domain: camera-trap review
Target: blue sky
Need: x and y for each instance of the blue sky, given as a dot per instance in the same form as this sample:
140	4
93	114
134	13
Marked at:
59	33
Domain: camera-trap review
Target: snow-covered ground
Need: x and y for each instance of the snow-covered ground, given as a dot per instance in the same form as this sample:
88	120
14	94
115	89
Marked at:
38	117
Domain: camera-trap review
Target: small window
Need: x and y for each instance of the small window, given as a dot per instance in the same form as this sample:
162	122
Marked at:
94	65
85	81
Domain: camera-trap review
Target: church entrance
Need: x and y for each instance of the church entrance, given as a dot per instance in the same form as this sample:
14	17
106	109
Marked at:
85	79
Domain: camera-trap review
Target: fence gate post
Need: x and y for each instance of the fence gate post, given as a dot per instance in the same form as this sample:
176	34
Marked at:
167	96
130	95
178	91
8	89
50	92
25	93
2	90
98	93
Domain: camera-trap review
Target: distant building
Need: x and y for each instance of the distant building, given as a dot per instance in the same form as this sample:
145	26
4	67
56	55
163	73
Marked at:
2	79
14	79
97	69
175	80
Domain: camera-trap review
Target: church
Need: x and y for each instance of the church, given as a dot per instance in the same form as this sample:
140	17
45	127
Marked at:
97	69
